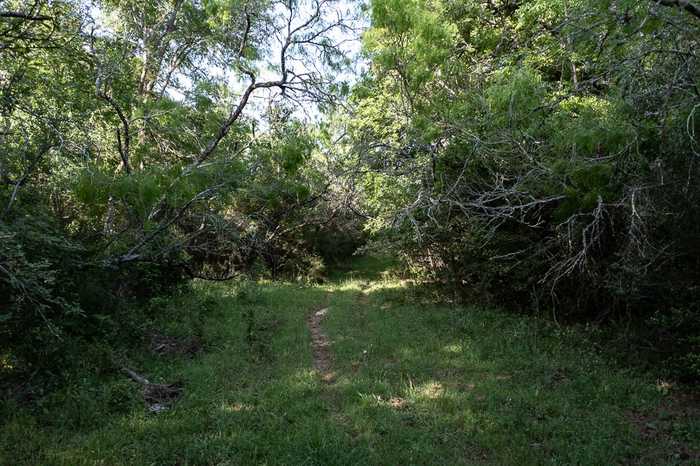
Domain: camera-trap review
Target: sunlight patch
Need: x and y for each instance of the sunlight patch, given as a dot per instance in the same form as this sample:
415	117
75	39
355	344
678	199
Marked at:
303	379
393	402
430	390
238	407
347	286
455	348
6	363
388	285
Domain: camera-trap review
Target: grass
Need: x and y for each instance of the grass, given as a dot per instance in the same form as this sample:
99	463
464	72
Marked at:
415	383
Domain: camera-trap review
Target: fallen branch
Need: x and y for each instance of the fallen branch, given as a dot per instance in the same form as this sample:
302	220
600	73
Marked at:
158	397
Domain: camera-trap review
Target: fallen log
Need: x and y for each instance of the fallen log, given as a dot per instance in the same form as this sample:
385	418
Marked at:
158	397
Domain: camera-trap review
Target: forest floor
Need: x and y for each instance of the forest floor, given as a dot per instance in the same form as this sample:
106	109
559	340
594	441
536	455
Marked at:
365	369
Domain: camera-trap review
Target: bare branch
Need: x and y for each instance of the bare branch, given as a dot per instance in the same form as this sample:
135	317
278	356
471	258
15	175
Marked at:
683	4
25	16
123	147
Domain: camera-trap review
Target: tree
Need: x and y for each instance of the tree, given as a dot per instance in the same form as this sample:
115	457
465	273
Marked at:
135	136
531	148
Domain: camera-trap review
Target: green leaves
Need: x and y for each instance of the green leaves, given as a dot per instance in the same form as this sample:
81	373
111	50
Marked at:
539	152
411	38
513	95
590	126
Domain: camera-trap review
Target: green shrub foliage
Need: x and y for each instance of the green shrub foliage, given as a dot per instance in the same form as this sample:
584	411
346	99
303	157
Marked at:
133	162
541	154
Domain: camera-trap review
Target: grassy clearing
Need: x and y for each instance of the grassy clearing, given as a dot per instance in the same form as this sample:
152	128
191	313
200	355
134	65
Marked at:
415	383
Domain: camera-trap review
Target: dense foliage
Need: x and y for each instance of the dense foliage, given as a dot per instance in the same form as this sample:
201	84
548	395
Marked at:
542	154
149	142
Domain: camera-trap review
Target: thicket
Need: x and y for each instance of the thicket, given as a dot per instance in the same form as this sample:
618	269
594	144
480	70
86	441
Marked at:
149	143
541	154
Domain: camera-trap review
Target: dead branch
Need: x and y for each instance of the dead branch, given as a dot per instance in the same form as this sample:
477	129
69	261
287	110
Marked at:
682	4
25	16
158	397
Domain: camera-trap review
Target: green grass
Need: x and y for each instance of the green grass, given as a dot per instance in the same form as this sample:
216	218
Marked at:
416	383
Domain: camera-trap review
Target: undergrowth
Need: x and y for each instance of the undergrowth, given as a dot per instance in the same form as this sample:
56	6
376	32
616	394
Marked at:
415	382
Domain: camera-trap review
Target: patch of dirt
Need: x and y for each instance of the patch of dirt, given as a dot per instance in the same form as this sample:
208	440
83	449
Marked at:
160	397
164	345
397	403
321	345
363	297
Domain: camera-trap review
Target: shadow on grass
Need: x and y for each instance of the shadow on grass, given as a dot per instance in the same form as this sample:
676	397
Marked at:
416	383
365	268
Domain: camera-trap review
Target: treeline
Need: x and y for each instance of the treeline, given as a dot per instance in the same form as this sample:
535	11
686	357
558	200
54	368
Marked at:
539	155
543	155
147	143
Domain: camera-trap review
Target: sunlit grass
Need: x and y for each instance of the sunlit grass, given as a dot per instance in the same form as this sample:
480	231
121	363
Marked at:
416	384
6	363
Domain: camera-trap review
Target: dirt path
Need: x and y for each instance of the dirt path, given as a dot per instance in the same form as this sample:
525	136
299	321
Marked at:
321	345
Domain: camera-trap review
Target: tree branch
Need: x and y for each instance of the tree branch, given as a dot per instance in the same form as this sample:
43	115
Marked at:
28	17
123	147
683	4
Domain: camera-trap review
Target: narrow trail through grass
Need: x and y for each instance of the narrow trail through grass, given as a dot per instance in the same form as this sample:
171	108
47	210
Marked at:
321	344
365	369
